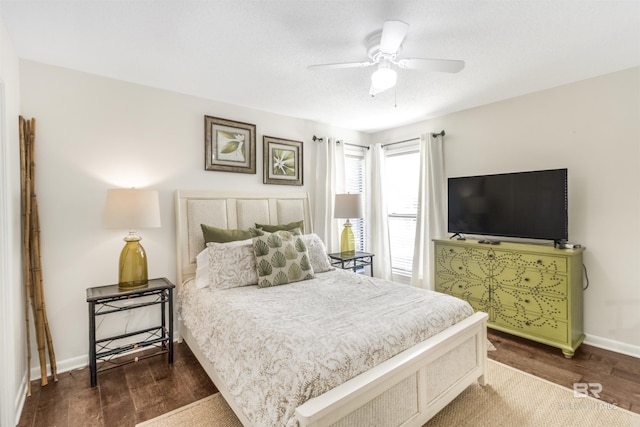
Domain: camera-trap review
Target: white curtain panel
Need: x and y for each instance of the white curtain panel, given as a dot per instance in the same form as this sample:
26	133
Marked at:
376	213
431	218
329	182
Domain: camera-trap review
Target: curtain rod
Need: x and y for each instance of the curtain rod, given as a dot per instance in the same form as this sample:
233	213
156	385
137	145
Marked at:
321	139
399	142
442	133
353	145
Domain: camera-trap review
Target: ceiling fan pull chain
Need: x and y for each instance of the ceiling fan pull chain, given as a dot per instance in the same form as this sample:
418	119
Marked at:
395	97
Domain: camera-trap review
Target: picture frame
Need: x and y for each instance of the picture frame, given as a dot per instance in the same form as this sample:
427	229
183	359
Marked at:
283	161
229	146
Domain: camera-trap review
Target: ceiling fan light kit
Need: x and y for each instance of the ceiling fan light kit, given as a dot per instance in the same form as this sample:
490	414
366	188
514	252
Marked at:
383	78
383	48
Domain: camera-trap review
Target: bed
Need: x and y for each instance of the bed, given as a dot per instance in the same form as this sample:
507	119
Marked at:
404	381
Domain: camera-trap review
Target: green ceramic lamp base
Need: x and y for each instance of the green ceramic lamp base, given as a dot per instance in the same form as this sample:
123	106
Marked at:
132	272
347	239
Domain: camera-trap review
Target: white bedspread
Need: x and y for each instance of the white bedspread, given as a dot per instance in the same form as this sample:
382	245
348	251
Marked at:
277	347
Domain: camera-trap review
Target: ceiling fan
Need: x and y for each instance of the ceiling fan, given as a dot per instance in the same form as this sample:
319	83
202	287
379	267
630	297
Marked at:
383	50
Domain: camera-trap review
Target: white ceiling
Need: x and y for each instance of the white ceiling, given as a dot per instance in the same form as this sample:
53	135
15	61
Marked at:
255	53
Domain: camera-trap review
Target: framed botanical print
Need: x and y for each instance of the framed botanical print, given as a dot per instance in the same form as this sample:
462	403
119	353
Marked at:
282	161
229	146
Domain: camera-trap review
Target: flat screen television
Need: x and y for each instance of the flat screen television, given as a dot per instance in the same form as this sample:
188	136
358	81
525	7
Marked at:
531	205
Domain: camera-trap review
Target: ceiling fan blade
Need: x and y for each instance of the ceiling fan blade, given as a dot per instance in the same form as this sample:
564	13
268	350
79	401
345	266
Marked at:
340	65
393	33
440	65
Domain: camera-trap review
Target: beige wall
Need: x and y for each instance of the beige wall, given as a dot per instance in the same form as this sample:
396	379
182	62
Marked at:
592	128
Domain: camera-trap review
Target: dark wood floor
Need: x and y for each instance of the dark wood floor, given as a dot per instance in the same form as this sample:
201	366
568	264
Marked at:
124	396
618	374
137	392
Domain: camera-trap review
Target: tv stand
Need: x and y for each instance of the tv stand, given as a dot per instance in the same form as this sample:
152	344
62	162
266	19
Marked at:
532	291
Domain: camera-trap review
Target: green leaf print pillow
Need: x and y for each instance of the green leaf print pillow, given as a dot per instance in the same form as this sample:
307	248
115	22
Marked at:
281	257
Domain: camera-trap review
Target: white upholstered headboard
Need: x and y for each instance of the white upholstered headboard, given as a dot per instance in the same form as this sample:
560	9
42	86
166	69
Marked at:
230	210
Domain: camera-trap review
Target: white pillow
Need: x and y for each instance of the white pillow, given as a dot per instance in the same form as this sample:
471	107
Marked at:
226	265
317	253
202	269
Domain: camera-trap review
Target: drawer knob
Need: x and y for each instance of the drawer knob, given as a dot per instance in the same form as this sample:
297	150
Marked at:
526	279
459	268
451	250
460	286
539	262
526	301
527	323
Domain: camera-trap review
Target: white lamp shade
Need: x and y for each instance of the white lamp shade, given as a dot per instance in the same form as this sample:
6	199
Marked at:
132	208
348	206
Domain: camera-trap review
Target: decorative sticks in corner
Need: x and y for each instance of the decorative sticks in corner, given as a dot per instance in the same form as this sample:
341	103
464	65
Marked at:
34	294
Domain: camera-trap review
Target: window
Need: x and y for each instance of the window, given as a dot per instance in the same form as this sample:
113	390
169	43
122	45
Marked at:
402	173
355	183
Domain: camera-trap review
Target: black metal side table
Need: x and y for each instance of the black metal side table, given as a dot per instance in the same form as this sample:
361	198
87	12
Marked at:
352	260
104	300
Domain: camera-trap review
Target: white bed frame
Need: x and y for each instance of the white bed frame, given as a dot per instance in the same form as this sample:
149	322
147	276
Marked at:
406	390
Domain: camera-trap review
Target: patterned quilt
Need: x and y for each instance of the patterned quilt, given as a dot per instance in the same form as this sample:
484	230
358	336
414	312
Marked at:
277	347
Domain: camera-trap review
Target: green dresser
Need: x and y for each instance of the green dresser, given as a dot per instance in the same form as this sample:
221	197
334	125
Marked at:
529	290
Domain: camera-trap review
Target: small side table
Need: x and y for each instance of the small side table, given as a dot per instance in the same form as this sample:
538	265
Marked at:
102	301
352	260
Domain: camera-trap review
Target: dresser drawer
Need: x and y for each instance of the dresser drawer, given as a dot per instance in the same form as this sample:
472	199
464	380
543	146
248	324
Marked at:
455	266
537	304
531	261
466	253
463	288
535	326
531	281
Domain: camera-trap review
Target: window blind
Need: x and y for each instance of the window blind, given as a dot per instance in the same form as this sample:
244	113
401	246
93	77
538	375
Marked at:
402	173
355	183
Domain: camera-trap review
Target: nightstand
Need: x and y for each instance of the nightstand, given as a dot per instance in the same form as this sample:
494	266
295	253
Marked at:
352	260
108	299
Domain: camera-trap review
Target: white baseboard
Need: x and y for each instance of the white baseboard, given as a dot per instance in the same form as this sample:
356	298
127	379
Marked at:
66	365
611	345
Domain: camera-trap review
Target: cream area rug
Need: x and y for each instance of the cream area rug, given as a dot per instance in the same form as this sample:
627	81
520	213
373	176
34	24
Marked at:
512	398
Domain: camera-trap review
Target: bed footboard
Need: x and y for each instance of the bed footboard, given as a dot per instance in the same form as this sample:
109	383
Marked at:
411	387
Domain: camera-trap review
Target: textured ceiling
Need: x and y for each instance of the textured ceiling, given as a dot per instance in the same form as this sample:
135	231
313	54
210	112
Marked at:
255	53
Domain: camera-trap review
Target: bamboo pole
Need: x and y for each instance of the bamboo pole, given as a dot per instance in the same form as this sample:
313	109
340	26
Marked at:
33	260
26	221
37	261
35	271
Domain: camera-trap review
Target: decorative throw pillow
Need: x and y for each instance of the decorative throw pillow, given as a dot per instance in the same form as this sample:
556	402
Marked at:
317	253
281	257
205	259
231	266
221	235
287	227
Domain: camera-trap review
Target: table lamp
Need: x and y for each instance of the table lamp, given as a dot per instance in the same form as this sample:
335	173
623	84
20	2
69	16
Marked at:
132	209
348	206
